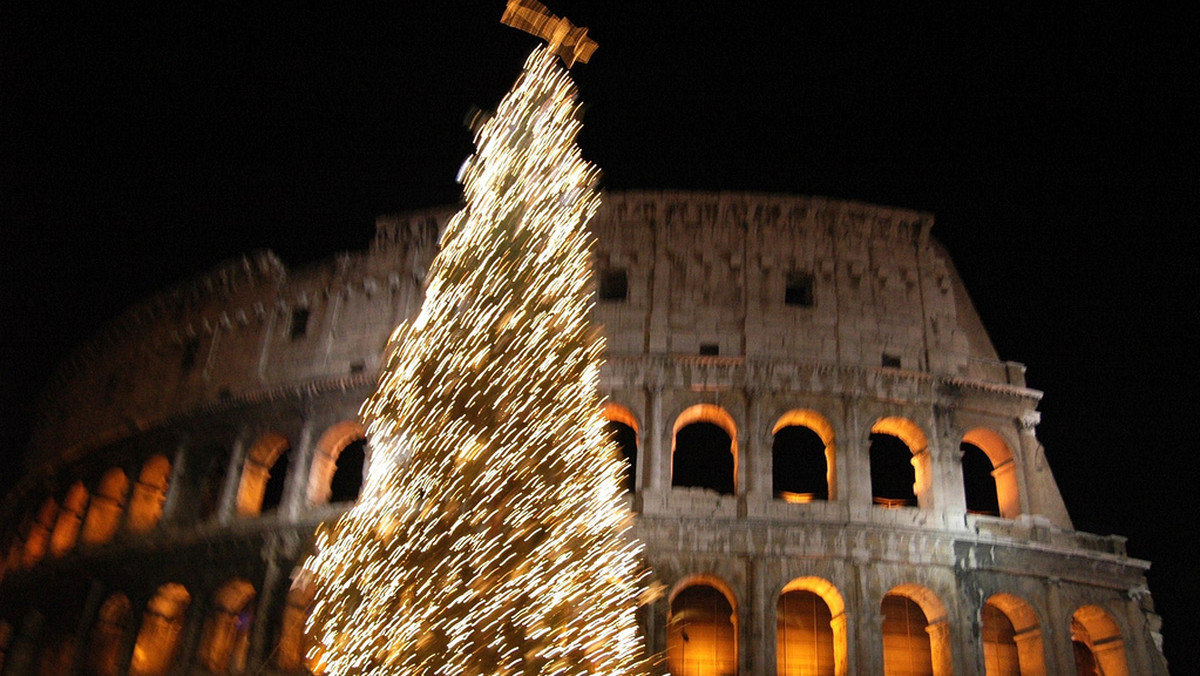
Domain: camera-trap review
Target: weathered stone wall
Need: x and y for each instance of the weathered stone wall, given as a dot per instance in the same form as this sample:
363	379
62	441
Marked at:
214	376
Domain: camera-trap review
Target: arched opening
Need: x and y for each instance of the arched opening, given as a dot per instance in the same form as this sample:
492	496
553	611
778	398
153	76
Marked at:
105	648
1012	639
899	463
57	652
810	630
70	520
162	624
1099	648
803	458
108	502
623	430
979	488
293	652
263	475
38	538
993	474
340	458
149	494
347	481
916	638
226	639
702	631
704	454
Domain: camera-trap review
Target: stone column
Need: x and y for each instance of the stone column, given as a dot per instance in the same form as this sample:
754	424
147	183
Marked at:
658	452
176	488
266	612
227	506
87	620
752	463
922	462
940	647
295	484
841	643
1060	655
1030	654
1010	500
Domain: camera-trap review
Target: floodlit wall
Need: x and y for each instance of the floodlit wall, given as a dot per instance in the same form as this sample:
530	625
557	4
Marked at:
184	456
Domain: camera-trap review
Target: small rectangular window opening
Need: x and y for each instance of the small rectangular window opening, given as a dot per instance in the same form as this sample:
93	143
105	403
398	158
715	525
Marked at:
613	285
799	289
710	349
890	361
299	327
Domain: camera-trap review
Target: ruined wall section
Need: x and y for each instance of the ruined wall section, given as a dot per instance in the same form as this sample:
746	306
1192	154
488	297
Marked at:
780	277
247	327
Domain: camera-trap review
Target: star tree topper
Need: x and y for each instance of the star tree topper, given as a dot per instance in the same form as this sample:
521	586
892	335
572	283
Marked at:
567	41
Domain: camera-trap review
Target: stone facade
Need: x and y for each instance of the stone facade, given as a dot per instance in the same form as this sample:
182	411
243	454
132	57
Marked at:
157	530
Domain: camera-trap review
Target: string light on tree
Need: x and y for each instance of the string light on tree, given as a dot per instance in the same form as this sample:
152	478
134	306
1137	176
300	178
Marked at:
491	537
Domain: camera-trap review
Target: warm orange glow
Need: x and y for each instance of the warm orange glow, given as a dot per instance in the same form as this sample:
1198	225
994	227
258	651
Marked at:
39	532
1093	627
70	520
226	639
702	632
108	502
916	635
907	431
791	654
618	413
708	413
324	463
149	494
1004	469
819	424
290	653
158	638
796	498
106	647
260	459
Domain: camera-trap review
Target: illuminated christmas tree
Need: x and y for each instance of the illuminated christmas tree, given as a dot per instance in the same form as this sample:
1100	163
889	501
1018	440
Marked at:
490	537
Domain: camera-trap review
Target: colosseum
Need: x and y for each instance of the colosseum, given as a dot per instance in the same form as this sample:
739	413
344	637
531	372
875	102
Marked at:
832	470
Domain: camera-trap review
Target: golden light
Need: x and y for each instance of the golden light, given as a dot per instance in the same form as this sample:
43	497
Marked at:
491	535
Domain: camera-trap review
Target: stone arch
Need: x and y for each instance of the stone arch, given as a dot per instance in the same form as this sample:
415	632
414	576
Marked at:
226	640
325	461
821	647
1096	635
70	519
702	628
916	633
1011	637
914	439
162	624
108	504
106	646
260	470
723	478
149	494
38	539
623	428
820	426
1004	469
293	652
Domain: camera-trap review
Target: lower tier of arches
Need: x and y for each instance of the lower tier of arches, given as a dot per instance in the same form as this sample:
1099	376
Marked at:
748	599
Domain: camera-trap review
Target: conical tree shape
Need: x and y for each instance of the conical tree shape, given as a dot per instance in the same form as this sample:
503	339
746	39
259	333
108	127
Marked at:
491	537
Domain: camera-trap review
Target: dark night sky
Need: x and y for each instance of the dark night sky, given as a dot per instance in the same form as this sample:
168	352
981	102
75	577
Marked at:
1057	146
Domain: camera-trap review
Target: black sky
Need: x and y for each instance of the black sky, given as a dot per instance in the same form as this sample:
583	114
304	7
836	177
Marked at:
1056	144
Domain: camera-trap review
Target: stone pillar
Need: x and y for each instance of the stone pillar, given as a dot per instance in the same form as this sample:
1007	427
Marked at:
176	488
266	612
752	642
1009	500
841	643
754	460
1060	655
227	504
658	448
87	620
1110	657
1030	654
922	462
940	647
295	484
